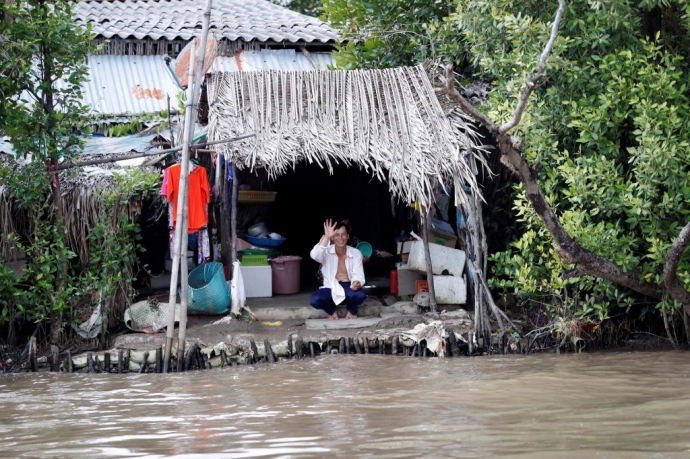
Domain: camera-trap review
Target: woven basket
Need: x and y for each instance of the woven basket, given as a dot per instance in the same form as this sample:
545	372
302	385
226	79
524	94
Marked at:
208	291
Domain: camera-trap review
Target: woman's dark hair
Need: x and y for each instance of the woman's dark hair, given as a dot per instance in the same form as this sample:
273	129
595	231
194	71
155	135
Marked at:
344	224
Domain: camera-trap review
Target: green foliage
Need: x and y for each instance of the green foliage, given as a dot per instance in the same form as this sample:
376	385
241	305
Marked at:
40	46
611	130
114	247
389	33
308	7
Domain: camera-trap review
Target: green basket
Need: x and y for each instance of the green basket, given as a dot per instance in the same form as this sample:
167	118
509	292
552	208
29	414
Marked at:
254	260
208	291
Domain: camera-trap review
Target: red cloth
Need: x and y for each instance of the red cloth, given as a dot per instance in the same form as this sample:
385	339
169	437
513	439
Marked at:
198	196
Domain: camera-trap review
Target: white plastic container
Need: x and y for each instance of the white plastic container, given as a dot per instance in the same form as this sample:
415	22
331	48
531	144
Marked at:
442	259
258	281
450	290
406	280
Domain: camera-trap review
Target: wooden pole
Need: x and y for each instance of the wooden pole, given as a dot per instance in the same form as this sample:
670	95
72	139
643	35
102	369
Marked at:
70	365
270	356
299	348
195	77
255	351
89	363
358	348
54	361
180	255
106	362
426	221
119	361
33	362
233	221
225	227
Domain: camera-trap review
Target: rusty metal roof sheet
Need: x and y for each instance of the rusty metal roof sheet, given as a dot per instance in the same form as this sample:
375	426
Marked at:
129	85
255	20
272	59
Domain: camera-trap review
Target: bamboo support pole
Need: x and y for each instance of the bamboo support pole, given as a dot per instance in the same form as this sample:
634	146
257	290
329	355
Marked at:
365	344
119	361
311	349
233	221
289	347
426	221
341	346
70	364
347	345
93	162
89	362
159	360
180	247
106	362
223	359
394	345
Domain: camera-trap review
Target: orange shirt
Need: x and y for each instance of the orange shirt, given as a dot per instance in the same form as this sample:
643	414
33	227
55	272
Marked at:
198	196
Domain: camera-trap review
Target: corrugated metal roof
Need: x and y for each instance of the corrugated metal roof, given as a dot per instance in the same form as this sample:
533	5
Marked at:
129	84
271	59
258	20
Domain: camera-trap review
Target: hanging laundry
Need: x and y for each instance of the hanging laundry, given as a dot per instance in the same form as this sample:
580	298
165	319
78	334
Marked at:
198	196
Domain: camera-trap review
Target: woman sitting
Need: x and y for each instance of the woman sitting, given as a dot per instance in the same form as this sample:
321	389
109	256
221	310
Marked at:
343	273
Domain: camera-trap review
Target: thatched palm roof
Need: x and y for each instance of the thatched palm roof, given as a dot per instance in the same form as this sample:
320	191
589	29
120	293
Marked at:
388	122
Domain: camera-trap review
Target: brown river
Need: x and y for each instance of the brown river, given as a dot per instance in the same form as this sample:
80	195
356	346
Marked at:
600	405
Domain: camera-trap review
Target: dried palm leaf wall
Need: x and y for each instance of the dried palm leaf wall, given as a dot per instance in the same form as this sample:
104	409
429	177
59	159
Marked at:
388	122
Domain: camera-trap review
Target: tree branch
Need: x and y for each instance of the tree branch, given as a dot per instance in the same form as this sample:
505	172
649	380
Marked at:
531	82
568	251
671	281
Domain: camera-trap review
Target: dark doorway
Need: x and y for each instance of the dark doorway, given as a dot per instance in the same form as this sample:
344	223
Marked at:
309	195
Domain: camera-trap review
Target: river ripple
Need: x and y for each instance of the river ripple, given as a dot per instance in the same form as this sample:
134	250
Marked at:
602	405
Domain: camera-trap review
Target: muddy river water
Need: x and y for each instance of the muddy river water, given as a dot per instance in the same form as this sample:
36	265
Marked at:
600	405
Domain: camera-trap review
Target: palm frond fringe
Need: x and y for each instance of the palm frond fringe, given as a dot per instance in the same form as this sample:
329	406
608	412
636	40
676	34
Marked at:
388	122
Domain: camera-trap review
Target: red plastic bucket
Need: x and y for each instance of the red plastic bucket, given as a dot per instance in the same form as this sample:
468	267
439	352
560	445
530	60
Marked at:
285	271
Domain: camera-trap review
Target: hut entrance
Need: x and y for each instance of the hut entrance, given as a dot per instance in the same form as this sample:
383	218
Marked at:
309	195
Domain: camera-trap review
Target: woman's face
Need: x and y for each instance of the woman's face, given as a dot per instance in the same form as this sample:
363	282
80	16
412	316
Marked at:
340	237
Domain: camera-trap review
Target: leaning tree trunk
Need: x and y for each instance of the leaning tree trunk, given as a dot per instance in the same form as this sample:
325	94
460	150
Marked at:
568	251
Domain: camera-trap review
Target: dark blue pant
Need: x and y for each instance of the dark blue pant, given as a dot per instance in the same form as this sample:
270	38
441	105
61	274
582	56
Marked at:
321	299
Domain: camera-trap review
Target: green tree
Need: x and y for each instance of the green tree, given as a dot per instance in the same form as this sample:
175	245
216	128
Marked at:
41	74
308	7
607	140
601	153
390	33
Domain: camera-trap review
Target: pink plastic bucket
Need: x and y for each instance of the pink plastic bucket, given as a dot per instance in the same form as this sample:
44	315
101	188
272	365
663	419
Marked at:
285	271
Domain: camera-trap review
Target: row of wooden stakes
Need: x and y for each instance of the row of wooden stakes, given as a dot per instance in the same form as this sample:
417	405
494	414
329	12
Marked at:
129	361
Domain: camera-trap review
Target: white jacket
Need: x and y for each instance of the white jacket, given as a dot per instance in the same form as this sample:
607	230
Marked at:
329	261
